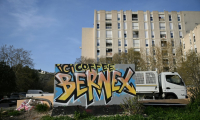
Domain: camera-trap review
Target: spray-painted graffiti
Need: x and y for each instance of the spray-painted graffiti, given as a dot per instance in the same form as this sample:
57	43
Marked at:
94	81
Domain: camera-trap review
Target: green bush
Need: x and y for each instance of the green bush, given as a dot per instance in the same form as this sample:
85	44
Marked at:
81	115
132	106
13	113
41	107
47	117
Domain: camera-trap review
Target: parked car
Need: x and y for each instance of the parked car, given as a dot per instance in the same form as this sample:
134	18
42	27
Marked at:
34	92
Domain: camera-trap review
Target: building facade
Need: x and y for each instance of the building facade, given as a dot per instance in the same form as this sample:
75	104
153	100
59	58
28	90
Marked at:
117	31
191	41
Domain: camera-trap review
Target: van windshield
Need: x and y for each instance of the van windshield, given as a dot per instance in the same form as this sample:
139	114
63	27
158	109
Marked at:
175	79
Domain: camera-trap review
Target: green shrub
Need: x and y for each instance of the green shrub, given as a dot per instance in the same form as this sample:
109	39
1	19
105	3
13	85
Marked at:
81	115
132	106
47	117
41	107
14	113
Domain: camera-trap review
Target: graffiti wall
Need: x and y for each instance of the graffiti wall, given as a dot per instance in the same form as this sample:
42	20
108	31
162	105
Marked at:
93	84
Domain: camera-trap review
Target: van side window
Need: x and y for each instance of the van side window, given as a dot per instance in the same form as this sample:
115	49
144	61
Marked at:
175	79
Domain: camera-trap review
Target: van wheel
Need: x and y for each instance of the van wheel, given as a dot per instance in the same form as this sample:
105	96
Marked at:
171	97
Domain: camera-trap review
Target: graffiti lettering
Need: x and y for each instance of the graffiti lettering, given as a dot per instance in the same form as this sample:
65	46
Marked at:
83	83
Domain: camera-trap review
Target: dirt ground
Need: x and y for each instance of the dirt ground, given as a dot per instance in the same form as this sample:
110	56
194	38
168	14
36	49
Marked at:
28	115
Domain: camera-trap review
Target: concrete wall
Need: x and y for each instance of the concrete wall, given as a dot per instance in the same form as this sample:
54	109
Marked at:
189	42
93	84
88	42
191	19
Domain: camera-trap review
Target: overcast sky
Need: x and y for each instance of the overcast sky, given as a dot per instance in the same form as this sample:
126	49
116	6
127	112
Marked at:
52	29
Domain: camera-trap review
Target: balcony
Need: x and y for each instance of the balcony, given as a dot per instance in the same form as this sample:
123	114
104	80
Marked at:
134	17
135	34
163	43
108	53
161	19
162	35
162	28
108	44
108	25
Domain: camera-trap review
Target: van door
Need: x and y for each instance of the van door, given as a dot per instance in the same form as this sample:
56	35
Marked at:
174	84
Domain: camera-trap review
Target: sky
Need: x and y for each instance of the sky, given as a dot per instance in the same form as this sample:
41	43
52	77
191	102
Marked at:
52	29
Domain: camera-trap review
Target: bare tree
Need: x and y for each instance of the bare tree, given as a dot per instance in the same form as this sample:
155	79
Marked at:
85	60
14	56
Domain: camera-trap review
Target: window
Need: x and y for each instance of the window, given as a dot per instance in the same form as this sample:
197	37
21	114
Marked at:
126	51
180	34
175	79
134	17
98	16
196	50
152	26
135	34
119	42
145	26
194	37
161	17
119	34
162	34
97	25
108	34
162	26
170	18
174	61
108	17
173	51
171	26
172	43
98	42
147	51
109	52
108	43
98	34
171	33
136	43
184	46
125	42
154	53
119	50
125	25
153	42
125	33
118	25
98	51
108	25
179	17
152	34
118	16
151	17
124	17
146	34
97	59
145	17
135	25
147	43
179	26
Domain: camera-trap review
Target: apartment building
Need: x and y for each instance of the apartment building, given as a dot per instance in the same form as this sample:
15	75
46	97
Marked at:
117	31
191	41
